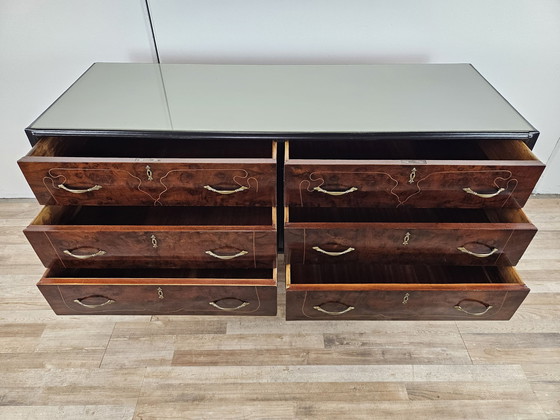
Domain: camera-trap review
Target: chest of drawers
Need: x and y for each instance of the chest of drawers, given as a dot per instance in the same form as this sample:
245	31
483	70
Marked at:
395	192
155	225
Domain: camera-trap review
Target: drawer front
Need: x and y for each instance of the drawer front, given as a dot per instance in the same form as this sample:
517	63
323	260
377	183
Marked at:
158	299
382	291
241	182
423	185
405	304
402	243
157	248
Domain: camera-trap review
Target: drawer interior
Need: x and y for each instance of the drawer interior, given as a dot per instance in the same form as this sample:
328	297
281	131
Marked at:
147	275
354	274
403	215
253	217
138	147
398	149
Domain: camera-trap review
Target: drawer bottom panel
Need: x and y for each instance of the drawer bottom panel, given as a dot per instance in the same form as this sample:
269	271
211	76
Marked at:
369	293
200	294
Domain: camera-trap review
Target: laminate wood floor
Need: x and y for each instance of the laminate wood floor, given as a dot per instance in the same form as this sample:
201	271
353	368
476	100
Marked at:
148	367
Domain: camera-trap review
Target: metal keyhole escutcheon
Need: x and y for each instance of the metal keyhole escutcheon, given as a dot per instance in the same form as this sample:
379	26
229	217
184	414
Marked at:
405	299
406	238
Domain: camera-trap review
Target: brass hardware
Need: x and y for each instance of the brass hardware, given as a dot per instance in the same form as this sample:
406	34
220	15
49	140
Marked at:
149	173
73	191
334	254
84	257
226	257
466	251
405	299
481	195
318	308
349	190
154	241
215	305
406	238
160	293
108	302
488	307
209	188
412	176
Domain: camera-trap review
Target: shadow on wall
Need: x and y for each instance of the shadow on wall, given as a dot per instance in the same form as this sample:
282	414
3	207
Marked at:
552	163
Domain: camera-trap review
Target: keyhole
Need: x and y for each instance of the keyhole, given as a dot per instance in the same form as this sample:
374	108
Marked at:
405	299
406	238
412	176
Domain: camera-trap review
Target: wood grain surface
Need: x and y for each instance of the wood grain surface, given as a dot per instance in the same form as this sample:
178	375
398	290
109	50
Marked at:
419	174
195	367
401	236
154	236
73	173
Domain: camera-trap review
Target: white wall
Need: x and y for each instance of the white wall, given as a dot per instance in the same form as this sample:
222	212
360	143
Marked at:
44	47
515	44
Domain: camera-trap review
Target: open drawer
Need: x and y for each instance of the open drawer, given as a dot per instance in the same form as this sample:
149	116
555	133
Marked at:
340	235
166	291
202	237
413	173
151	171
401	292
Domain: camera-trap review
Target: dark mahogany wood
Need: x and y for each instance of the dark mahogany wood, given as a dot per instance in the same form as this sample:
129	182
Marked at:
407	236
254	294
155	237
386	185
169	180
507	169
402	293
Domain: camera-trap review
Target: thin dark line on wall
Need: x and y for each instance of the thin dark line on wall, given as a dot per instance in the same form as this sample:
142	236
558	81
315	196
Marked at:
166	100
152	29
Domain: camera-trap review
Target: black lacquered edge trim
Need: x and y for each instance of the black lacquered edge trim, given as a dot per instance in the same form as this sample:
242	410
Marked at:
527	137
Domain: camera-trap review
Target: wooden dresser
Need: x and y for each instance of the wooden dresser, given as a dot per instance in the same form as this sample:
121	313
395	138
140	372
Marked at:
395	192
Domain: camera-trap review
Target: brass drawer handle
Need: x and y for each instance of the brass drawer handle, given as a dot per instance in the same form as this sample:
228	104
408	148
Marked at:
333	254
107	302
84	257
348	309
225	192
349	190
226	257
73	191
221	308
488	307
466	251
481	195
